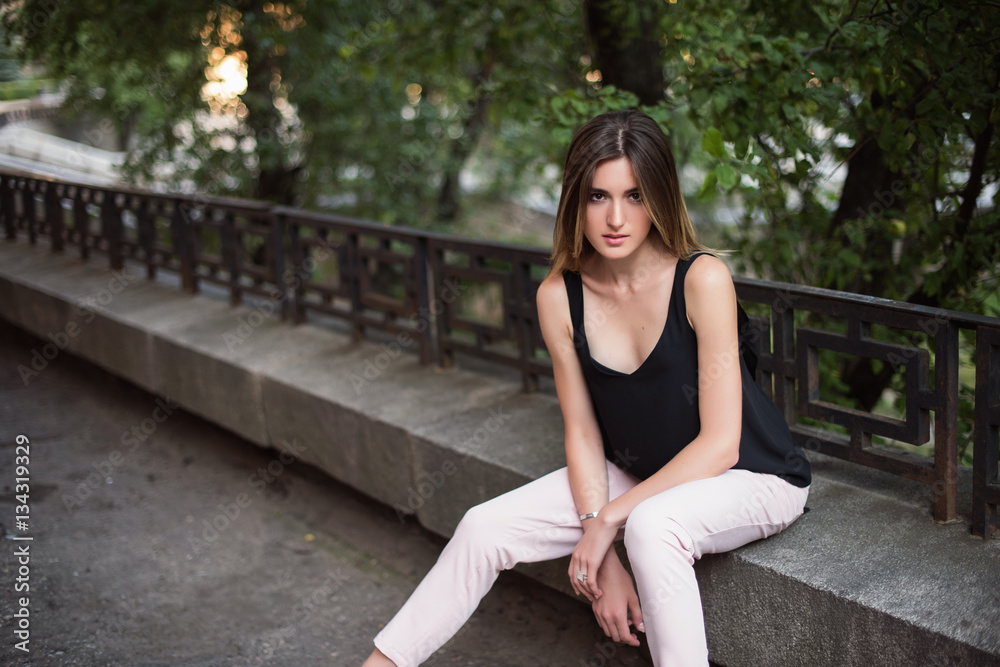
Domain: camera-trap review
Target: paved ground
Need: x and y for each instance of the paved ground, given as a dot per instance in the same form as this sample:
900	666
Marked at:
173	542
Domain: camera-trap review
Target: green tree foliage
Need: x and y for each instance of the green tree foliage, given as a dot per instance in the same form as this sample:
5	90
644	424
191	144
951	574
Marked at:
131	62
381	106
421	85
902	95
371	108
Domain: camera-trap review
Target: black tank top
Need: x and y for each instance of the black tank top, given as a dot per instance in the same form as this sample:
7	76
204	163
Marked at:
648	416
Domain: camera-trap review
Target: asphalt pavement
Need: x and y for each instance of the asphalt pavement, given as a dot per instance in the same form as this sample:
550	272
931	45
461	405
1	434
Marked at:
157	538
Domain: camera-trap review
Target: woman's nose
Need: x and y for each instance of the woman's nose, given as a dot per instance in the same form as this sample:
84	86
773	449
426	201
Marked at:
616	216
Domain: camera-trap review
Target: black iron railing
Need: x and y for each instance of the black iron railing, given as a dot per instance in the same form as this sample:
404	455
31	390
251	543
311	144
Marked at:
451	296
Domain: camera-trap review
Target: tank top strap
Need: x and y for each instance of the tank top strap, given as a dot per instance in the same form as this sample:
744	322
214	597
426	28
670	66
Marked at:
574	291
677	294
685	264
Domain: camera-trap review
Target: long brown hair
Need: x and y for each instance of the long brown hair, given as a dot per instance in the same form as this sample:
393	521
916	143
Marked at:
610	136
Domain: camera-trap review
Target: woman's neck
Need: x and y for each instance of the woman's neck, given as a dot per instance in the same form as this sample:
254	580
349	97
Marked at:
626	273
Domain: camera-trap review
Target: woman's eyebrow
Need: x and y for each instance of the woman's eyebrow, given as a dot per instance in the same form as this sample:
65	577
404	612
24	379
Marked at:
604	192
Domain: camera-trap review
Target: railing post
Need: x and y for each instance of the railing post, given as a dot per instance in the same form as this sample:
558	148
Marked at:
783	325
147	237
352	272
28	203
986	445
298	278
423	301
278	261
180	230
231	257
445	356
55	217
111	230
81	221
7	207
522	310
946	424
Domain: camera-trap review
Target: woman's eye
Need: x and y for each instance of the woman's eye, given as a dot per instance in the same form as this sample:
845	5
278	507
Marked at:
596	196
635	197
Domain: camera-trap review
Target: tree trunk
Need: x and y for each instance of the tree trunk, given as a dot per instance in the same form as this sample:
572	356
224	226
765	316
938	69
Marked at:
870	189
461	148
276	182
628	56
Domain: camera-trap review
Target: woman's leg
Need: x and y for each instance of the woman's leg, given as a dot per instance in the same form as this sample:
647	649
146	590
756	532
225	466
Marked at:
665	534
535	522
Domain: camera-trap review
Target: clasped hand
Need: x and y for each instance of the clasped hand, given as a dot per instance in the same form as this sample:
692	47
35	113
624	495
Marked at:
607	584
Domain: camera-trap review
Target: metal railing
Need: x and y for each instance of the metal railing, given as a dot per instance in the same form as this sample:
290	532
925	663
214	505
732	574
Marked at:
449	295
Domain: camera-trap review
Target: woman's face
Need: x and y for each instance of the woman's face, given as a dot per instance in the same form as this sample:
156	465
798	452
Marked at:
617	222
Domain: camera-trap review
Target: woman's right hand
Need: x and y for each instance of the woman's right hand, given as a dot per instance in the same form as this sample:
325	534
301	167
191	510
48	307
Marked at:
618	602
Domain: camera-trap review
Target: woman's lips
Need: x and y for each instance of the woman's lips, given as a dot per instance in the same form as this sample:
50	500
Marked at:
615	239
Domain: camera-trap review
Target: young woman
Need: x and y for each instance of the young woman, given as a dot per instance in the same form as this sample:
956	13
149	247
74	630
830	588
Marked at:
668	438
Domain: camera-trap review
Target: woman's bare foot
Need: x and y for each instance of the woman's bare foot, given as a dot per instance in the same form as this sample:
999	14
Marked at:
378	659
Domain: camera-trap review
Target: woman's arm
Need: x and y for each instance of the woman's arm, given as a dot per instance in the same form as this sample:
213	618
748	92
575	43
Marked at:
587	467
711	308
588	473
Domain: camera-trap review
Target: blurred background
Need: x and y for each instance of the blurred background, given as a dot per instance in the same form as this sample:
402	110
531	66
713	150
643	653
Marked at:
846	145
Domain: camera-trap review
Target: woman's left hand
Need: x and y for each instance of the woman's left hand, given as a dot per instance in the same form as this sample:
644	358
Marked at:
588	555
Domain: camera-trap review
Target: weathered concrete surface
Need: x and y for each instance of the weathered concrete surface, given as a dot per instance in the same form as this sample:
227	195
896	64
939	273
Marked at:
866	570
123	570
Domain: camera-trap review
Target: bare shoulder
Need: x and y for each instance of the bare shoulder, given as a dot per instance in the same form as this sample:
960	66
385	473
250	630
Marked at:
709	291
552	297
708	277
553	306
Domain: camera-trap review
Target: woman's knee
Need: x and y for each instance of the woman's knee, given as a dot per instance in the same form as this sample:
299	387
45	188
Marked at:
653	529
479	520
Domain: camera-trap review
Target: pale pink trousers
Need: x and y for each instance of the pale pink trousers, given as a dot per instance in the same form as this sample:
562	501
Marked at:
664	536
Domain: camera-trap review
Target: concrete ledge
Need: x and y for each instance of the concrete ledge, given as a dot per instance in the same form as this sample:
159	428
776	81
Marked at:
866	574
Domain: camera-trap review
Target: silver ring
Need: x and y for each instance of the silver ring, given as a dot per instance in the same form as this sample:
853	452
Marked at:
581	576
